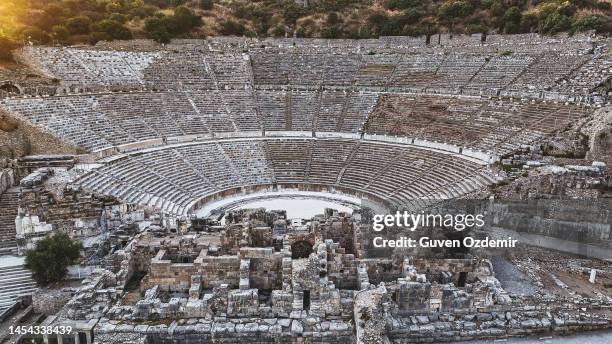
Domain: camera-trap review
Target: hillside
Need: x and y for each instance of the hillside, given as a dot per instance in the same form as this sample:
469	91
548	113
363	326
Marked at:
89	21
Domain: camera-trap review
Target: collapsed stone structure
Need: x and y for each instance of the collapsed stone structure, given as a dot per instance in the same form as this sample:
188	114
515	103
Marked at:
296	284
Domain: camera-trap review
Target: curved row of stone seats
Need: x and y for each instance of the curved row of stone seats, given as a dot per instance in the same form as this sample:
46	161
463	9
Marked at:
528	42
359	106
302	107
273	109
328	158
547	69
230	69
58	116
495	124
179	70
92	67
416	70
115	67
364	169
456	70
376	70
327	110
98	121
289	159
330	108
241	108
60	64
499	72
446	65
249	161
417	174
592	73
304	68
176	177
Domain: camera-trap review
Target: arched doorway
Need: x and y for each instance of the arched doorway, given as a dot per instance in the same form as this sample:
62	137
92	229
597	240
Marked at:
9	87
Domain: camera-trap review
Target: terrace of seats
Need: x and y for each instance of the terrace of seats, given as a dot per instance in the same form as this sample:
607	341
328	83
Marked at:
100	121
496	124
457	65
176	177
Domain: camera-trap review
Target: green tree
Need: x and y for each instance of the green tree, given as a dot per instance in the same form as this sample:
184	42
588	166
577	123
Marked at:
118	17
410	16
60	33
6	45
157	28
79	25
292	12
50	259
512	20
529	22
379	23
332	18
588	23
35	35
144	11
453	10
232	28
184	20
114	29
52	14
331	32
402	4
96	37
554	23
207	5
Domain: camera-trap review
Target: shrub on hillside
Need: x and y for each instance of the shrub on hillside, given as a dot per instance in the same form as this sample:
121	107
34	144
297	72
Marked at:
588	23
113	28
207	5
232	28
6	45
60	33
555	23
79	25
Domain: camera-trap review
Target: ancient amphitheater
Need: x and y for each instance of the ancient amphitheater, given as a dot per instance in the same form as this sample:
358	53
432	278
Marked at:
132	133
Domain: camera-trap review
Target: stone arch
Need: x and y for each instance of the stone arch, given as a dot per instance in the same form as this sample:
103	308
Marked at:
301	249
10	87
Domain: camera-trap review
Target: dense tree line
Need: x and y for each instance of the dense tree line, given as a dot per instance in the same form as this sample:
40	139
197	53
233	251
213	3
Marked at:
89	21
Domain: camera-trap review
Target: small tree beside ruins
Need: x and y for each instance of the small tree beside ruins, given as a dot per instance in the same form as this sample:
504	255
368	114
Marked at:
50	259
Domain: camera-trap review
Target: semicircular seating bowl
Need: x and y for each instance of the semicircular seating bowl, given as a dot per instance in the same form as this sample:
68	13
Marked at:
338	105
178	178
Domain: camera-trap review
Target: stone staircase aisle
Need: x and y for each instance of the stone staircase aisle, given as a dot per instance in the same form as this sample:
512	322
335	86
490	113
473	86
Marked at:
15	281
9	202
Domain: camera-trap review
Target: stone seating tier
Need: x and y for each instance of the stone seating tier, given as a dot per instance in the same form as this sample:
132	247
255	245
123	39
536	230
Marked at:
175	178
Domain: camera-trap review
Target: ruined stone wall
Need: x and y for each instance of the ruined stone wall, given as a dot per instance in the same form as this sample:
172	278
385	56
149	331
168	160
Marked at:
247	330
266	273
587	222
492	324
342	270
382	270
7	177
22	138
76	212
341	232
48	301
215	270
